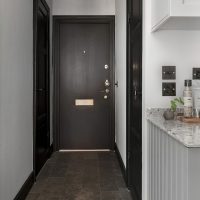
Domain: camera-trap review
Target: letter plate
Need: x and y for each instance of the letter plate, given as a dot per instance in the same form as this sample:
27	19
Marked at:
84	102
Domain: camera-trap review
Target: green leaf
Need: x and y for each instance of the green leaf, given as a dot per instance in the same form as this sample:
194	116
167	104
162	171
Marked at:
175	103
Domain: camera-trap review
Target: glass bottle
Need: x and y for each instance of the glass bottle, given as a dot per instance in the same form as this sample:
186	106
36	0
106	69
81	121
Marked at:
187	99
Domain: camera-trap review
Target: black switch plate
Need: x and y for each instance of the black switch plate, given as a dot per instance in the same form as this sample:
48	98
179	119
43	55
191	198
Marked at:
196	73
169	89
169	72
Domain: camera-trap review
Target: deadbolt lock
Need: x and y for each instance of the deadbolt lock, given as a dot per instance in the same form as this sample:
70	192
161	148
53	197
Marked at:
107	83
106	67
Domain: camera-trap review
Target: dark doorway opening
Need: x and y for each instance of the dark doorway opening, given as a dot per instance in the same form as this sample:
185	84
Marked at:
41	85
134	97
84	108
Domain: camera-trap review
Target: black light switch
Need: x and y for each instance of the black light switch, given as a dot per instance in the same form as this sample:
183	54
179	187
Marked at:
169	89
196	73
169	72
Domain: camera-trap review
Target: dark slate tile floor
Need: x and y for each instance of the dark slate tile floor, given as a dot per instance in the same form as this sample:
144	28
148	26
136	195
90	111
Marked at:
80	176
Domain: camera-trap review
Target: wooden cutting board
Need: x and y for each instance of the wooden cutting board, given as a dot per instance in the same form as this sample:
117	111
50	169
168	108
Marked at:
189	120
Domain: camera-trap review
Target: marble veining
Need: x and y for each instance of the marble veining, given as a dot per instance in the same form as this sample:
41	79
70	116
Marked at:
187	134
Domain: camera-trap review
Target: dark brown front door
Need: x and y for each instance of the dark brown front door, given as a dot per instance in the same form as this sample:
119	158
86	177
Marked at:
85	77
41	84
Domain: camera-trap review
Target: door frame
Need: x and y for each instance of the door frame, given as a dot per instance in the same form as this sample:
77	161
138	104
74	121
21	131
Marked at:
134	22
57	20
35	39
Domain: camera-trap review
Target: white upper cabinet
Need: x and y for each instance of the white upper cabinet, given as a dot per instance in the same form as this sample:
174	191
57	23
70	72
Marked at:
175	14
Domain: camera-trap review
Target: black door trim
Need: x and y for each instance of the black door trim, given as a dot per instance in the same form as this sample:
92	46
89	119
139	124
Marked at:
127	91
128	83
57	20
25	189
35	11
121	163
133	23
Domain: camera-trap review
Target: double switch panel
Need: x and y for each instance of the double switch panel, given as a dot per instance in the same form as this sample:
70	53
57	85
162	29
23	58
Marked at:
169	74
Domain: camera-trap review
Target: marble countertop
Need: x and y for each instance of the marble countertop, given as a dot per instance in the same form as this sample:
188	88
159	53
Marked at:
187	134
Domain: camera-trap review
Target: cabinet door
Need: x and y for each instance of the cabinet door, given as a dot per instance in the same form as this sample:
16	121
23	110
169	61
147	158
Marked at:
185	8
160	11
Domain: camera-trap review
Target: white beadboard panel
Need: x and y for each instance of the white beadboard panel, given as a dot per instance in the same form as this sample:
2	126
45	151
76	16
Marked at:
173	169
168	166
194	174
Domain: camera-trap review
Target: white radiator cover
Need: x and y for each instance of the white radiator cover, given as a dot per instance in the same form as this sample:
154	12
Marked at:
173	169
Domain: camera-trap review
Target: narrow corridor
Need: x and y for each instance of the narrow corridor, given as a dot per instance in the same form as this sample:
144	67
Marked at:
80	176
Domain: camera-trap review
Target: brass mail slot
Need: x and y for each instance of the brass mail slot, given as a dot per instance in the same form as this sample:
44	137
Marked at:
84	102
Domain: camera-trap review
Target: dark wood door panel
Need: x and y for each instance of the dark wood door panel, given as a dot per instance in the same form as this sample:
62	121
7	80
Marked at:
135	149
85	46
41	84
84	50
134	97
134	8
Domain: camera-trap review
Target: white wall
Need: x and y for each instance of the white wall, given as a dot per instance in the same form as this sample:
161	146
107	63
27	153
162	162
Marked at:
83	7
179	48
120	65
16	95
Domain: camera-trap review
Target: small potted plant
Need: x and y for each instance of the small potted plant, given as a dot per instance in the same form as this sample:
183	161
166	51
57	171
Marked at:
170	113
